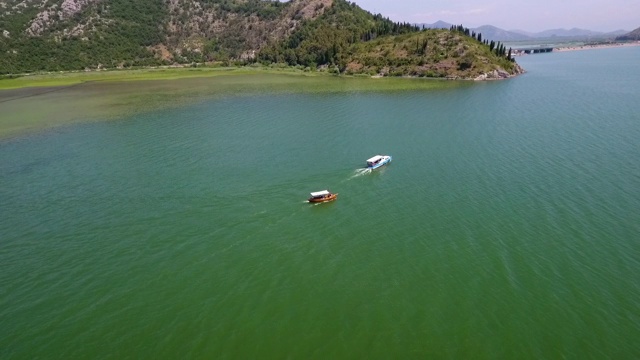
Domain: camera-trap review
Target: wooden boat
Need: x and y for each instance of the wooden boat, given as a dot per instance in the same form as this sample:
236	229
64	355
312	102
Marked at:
322	196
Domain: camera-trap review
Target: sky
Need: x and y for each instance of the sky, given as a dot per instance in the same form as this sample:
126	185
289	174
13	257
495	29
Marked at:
530	15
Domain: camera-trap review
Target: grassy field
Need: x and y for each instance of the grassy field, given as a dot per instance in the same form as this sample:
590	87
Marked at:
40	102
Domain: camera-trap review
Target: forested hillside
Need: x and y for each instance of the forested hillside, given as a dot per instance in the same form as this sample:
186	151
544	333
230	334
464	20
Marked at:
331	37
335	35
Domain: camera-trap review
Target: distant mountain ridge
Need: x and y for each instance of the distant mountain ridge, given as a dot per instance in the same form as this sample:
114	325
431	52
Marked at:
494	33
633	35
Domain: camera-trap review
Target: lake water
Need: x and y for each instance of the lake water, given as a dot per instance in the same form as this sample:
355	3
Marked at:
507	225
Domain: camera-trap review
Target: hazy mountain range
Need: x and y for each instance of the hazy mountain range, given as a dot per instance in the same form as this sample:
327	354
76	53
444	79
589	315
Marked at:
633	35
494	33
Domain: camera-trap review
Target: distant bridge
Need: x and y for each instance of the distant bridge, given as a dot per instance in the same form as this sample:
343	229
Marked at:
533	50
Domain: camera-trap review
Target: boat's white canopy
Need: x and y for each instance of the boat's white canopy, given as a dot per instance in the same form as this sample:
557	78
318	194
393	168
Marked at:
320	193
375	158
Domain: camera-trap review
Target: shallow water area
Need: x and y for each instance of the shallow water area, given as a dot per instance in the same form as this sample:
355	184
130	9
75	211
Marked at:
31	109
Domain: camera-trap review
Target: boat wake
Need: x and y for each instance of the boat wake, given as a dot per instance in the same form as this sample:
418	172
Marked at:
360	172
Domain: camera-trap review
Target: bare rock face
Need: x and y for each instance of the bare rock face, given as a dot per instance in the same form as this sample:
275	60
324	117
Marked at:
499	74
70	7
481	77
203	19
53	14
519	69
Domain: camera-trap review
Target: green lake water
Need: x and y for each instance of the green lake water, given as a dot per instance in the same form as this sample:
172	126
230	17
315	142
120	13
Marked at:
507	225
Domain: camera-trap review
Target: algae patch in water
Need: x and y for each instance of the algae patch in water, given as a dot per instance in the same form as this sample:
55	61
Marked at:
38	108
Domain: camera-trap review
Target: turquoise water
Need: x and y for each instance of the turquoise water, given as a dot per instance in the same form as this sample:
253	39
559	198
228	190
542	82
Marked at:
506	226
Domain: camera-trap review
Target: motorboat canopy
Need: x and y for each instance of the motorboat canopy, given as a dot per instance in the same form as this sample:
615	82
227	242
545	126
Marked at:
375	159
320	193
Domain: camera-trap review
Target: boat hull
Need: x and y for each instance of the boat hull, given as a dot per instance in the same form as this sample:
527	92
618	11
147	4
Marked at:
383	162
328	198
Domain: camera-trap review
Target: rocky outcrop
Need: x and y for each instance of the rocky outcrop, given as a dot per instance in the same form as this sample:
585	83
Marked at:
209	20
53	14
499	74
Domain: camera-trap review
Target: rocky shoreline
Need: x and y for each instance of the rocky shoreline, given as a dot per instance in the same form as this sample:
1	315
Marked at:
500	74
